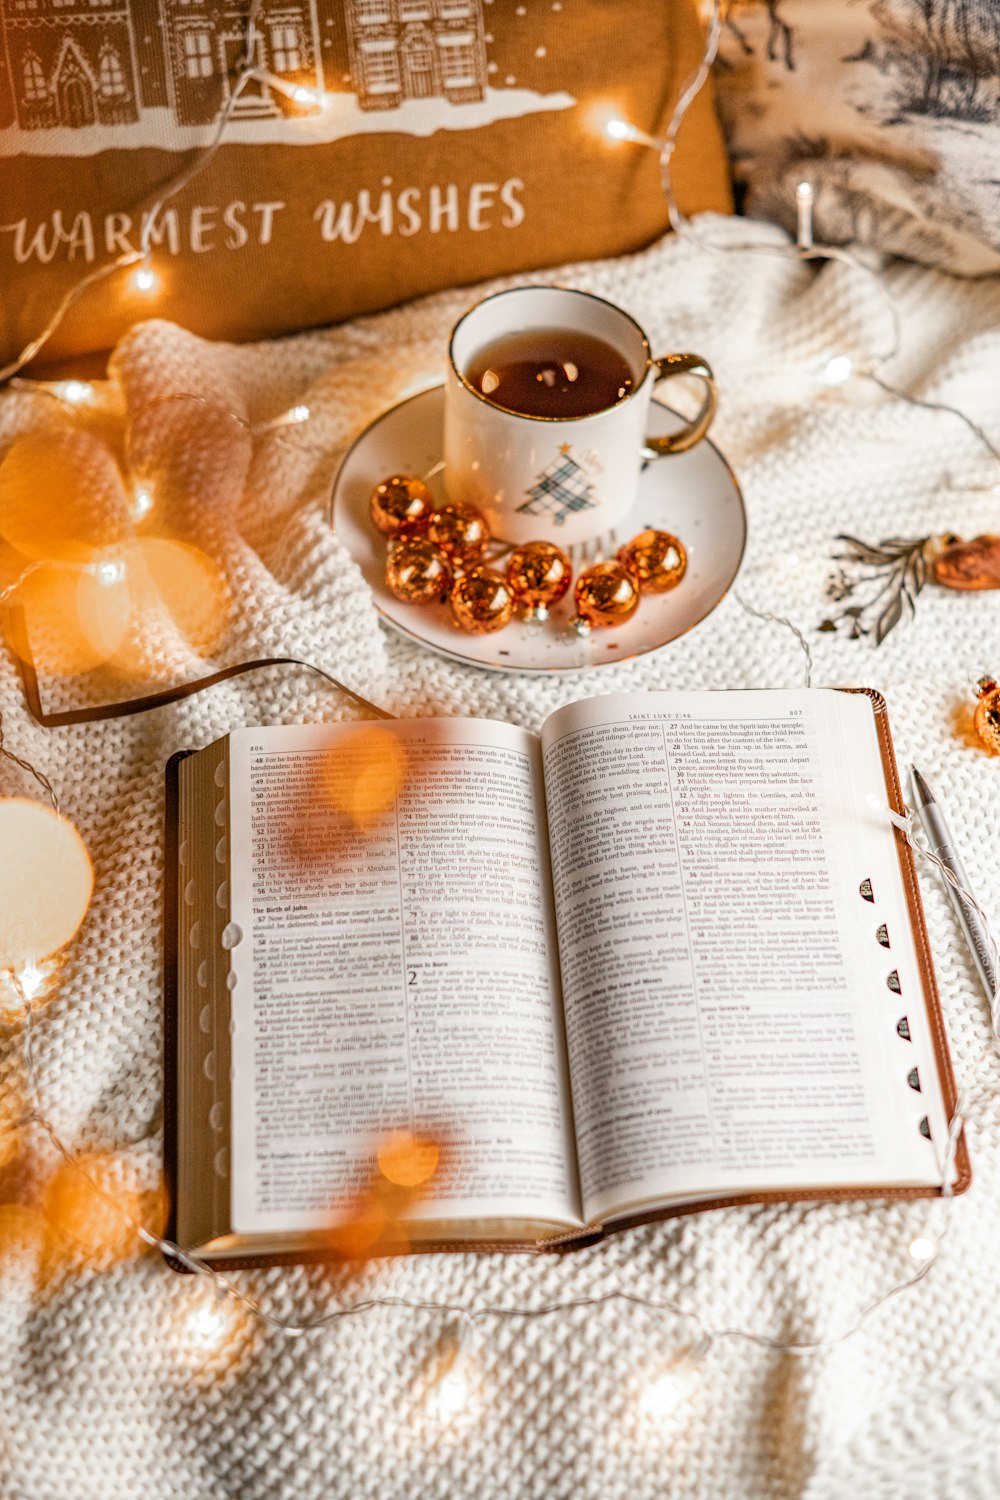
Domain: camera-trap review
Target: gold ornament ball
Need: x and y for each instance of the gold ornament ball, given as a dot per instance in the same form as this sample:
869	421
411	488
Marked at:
416	572
539	574
656	560
606	594
481	601
401	505
987	715
460	531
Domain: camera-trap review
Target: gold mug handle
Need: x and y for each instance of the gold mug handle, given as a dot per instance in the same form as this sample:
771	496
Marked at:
693	431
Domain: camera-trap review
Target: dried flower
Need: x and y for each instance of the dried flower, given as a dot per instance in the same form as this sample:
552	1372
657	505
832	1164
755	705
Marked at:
892	574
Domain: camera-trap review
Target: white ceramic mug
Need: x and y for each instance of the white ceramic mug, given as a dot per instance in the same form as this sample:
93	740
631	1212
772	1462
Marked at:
563	478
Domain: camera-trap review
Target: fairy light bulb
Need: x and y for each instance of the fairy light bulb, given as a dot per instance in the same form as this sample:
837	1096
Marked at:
922	1249
76	392
110	571
451	1395
22	986
142	502
299	93
144	279
838	369
293	417
207	1326
617	129
663	1397
30	978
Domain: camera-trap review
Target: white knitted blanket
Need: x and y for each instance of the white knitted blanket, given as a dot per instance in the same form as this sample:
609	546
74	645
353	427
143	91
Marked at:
106	1392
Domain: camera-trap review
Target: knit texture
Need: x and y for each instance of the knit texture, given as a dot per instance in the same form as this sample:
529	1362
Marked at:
104	1390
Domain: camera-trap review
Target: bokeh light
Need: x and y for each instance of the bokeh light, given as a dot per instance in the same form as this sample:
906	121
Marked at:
62	497
22	1230
12	1145
88	1207
405	1169
408	1161
132	608
364	773
73	620
45	890
175	579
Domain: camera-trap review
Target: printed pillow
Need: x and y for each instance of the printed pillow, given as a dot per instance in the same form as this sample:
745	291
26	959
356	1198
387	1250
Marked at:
387	148
890	108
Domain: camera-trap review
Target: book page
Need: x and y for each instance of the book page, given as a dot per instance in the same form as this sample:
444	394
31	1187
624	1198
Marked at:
732	1014
396	970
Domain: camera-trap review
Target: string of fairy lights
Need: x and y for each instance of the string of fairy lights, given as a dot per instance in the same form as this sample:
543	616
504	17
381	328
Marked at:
452	1388
144	278
924	1248
840	367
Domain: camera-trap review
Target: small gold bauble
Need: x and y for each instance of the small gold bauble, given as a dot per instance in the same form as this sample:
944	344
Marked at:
401	505
605	595
656	560
539	574
966	565
460	531
416	572
987	715
481	601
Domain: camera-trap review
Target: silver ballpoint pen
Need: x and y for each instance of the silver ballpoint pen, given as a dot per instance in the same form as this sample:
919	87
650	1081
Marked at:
939	839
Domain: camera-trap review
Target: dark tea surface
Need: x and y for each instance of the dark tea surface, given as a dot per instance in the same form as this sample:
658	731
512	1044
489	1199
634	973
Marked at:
550	372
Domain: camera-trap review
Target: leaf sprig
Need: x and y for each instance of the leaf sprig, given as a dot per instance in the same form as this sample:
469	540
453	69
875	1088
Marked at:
895	571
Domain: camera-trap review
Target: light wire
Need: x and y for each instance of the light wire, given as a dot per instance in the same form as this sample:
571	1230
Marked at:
298	1327
247	70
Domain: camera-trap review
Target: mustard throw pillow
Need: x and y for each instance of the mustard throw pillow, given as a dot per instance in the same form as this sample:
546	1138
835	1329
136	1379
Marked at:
385	148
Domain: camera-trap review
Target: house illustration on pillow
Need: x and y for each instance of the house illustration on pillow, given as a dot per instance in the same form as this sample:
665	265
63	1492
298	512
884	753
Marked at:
74	64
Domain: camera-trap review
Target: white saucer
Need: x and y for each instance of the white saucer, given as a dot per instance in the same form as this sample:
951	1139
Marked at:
694	495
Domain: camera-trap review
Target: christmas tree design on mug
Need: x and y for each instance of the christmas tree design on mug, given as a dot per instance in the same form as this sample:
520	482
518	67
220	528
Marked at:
561	489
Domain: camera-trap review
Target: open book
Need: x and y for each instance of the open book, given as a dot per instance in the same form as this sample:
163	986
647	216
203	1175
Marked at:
669	953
